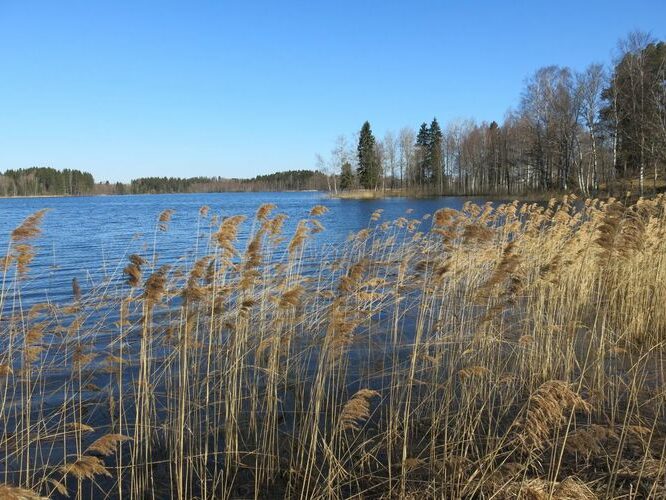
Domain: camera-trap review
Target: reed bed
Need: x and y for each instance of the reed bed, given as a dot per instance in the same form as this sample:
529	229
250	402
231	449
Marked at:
511	351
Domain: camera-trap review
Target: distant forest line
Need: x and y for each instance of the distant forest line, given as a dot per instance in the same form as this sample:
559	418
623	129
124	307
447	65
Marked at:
45	181
602	130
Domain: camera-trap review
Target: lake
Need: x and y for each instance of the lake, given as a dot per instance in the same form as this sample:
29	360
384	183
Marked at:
90	238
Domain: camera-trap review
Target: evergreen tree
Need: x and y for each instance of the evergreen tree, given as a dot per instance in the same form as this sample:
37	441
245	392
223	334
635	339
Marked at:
368	166
435	154
493	156
422	155
346	176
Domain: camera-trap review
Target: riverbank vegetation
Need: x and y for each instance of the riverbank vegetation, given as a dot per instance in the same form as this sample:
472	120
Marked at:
514	351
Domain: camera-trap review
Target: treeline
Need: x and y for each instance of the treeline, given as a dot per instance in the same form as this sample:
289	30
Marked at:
589	131
290	180
44	181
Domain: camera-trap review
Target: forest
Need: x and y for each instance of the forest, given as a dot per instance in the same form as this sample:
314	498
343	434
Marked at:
45	181
290	180
592	131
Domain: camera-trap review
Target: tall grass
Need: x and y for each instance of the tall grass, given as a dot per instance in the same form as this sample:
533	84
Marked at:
494	352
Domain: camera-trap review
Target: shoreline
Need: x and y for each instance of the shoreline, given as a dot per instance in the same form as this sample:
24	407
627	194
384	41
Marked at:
91	195
358	194
44	196
363	194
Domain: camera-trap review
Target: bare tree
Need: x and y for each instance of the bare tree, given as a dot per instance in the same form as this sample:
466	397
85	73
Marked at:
380	158
551	106
328	170
406	139
339	155
590	84
390	157
632	101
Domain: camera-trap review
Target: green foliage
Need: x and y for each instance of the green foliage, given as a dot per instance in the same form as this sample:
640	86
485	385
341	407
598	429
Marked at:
44	181
290	180
346	176
369	171
435	154
422	173
429	167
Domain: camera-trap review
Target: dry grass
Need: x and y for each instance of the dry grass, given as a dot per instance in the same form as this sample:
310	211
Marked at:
514	351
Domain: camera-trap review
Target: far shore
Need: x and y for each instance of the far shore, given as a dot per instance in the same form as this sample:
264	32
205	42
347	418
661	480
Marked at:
86	195
18	197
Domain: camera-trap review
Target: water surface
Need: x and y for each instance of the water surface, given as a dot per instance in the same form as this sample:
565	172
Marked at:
90	237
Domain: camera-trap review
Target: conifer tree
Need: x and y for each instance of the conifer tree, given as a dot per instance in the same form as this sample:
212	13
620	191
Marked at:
422	155
368	166
346	176
435	154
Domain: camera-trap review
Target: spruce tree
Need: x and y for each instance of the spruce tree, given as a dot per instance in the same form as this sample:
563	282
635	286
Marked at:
423	155
435	154
346	176
368	166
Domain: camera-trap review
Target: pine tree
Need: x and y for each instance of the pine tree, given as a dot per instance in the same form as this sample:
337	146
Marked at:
368	166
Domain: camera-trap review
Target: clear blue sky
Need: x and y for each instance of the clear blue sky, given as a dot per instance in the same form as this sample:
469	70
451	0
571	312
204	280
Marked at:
136	88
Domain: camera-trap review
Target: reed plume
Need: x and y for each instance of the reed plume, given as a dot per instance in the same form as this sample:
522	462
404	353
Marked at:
318	210
264	211
164	219
86	467
291	298
30	227
155	285
133	270
9	492
357	409
545	411
226	234
299	238
107	444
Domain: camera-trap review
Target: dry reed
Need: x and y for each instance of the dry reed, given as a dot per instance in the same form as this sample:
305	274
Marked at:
498	351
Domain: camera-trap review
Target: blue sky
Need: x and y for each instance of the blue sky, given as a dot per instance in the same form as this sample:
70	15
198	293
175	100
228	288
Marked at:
136	88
